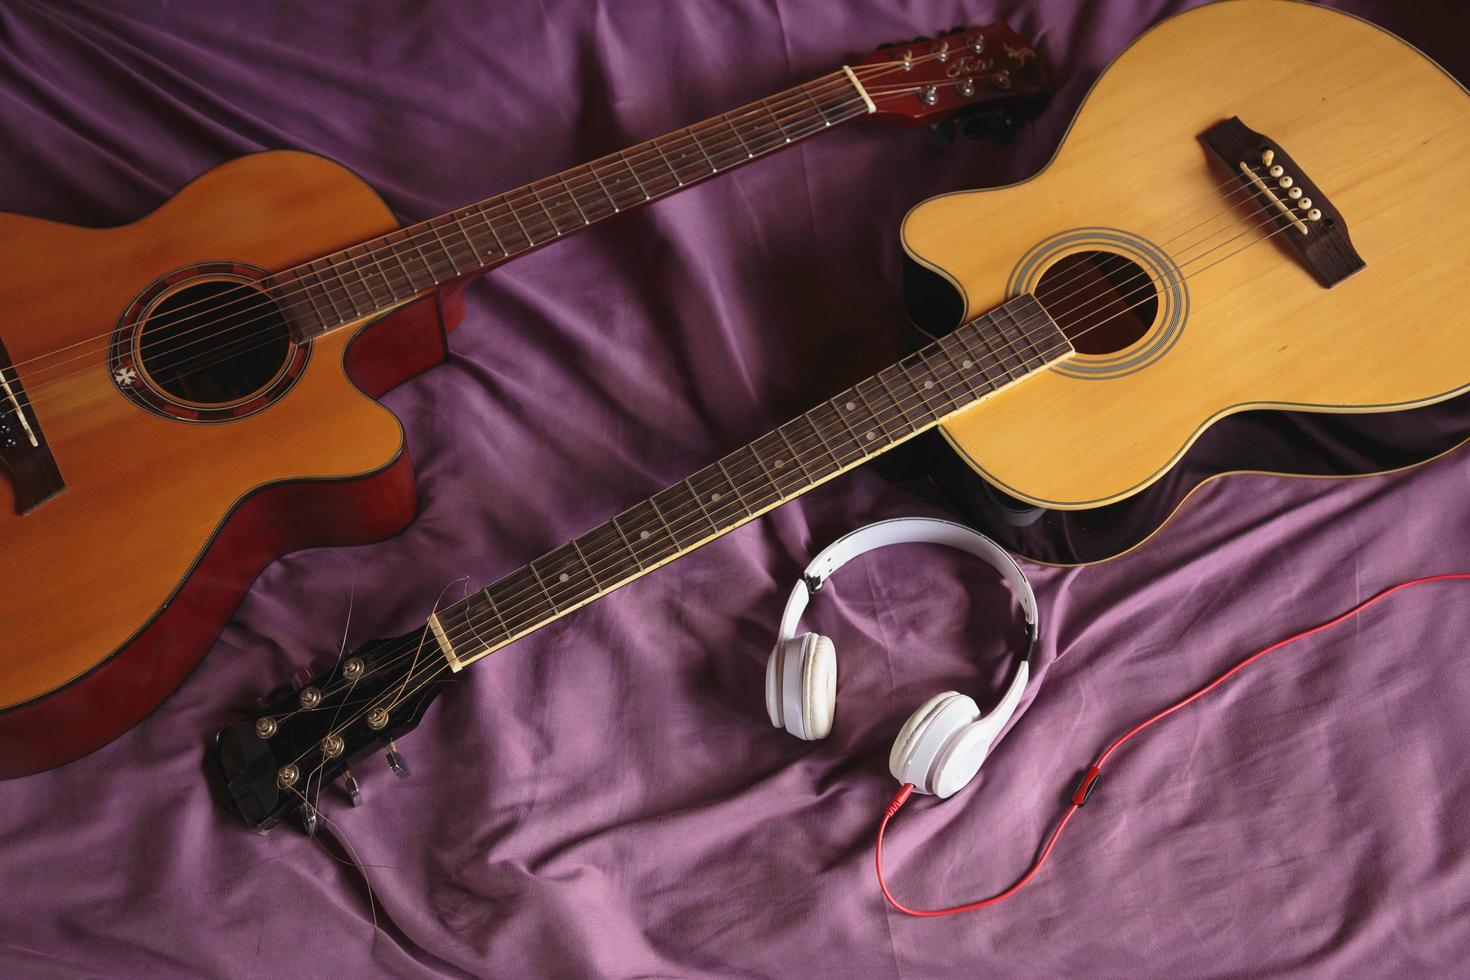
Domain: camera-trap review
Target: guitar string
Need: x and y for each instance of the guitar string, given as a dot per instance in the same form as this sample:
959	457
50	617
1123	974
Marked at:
1243	190
646	152
691	517
261	300
394	280
509	614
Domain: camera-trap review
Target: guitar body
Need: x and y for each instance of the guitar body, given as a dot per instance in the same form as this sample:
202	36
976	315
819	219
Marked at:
118	584
1244	358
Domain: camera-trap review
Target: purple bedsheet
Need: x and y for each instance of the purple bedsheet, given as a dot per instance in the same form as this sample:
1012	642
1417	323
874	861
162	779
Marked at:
607	797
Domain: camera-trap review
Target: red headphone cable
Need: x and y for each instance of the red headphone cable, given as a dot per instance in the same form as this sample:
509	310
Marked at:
1089	780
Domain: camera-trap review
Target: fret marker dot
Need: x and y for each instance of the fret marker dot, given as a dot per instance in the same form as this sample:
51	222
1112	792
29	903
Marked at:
715	497
872	435
967	364
780	463
642	535
851	406
929	384
563	577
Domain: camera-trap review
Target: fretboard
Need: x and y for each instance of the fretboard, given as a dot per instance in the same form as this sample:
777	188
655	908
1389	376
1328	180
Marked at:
922	390
376	276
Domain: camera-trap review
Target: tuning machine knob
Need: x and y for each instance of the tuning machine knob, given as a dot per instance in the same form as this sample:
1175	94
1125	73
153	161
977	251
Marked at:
396	762
354	791
306	813
929	94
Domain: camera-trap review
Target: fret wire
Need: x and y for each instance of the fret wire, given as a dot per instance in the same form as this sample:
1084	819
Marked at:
311	295
484	214
780	431
327	286
427	264
940	383
993	355
605	192
667	163
444	247
921	392
862	451
779	128
627	544
469	239
738	495
352	264
700	503
707	159
665	522
341	276
573	197
495	608
582	556
1011	347
397	254
825	121
987	359
780	495
871	434
514	213
811	421
555	230
1025	333
541	582
629	168
724	118
896	403
359	266
392	289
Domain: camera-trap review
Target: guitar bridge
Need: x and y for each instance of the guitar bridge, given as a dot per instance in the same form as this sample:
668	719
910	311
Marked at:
23	448
1318	233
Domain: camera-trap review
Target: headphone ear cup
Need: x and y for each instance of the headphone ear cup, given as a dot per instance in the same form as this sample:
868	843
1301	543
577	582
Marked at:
940	748
801	686
818	687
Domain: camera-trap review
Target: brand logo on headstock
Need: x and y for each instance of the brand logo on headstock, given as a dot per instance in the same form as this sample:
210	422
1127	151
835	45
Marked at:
970	64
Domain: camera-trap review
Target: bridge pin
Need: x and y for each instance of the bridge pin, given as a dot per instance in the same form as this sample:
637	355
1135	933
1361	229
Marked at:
1284	182
1276	171
1294	193
1314	214
1305	204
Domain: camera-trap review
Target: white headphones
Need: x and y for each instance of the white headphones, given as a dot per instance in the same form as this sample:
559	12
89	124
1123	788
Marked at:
941	746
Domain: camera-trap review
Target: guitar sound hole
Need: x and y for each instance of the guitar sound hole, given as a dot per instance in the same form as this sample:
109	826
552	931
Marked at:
214	342
1102	301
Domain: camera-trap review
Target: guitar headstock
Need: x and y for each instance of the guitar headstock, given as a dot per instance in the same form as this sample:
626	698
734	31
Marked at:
929	80
276	762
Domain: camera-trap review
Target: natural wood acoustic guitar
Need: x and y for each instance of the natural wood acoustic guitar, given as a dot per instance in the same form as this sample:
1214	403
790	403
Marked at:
187	397
1262	203
1219	340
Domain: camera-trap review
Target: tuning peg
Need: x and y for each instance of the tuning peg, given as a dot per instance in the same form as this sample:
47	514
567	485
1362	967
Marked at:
941	134
306	813
396	762
354	791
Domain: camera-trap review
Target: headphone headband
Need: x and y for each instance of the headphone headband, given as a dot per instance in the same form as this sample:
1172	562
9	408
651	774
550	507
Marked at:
908	530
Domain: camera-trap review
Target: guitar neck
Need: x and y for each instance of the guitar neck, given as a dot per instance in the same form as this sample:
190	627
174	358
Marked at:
376	276
922	390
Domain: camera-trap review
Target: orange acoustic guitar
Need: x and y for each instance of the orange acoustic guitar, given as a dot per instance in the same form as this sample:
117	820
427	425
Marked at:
185	398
